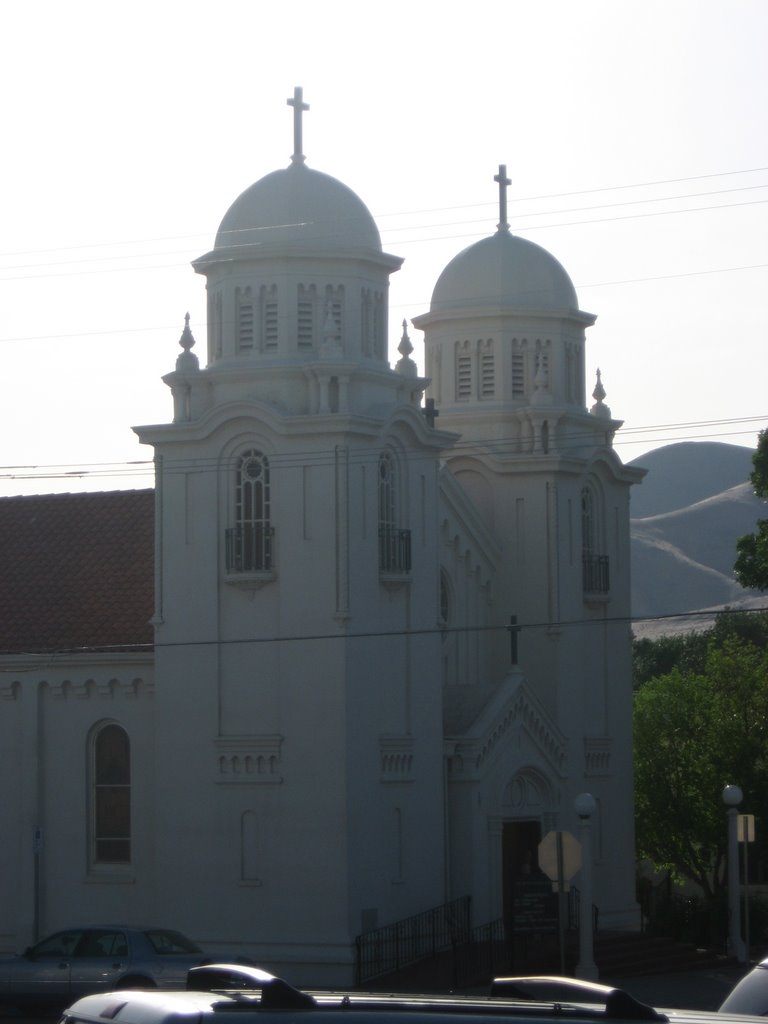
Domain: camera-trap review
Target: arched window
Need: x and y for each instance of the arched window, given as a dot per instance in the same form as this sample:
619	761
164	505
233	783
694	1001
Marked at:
394	543
386	490
594	564
249	543
588	526
111	796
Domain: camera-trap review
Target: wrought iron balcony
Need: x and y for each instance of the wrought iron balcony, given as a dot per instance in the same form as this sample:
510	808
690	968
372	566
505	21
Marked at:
249	548
595	574
394	549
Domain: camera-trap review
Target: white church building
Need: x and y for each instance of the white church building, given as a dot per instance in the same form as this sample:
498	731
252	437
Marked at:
367	639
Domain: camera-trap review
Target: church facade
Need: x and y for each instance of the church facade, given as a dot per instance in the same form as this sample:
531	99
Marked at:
390	635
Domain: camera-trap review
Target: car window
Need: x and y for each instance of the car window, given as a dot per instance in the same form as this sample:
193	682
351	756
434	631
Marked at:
60	944
101	942
167	942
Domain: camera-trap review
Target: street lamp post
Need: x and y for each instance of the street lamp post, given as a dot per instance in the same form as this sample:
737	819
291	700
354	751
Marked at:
732	797
585	806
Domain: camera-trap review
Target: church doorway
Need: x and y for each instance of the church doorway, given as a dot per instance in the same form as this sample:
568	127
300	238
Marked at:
529	905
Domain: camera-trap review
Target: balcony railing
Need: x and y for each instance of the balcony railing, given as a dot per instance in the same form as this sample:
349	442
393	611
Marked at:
249	548
595	574
394	549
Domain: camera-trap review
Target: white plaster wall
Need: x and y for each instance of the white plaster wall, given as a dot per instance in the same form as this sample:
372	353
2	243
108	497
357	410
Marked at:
48	717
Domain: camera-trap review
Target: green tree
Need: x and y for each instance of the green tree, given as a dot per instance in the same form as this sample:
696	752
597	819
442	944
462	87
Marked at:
751	567
695	732
688	652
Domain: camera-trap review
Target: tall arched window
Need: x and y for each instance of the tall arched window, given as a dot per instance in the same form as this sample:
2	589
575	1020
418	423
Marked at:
588	526
394	543
386	490
249	544
111	796
595	570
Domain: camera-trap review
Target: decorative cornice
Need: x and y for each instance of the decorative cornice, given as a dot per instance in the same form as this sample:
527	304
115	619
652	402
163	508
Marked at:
396	758
80	689
254	760
128	689
597	755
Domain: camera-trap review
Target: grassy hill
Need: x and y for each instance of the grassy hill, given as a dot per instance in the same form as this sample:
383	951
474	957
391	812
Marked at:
687	515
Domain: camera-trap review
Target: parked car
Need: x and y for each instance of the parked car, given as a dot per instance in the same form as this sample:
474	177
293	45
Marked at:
750	995
269	1000
78	961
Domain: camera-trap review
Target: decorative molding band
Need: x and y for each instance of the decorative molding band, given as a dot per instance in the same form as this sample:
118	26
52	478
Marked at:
250	580
248	759
128	689
597	755
396	758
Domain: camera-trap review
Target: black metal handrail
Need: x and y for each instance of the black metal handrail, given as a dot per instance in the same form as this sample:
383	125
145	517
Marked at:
249	547
394	549
595	574
574	911
396	945
486	955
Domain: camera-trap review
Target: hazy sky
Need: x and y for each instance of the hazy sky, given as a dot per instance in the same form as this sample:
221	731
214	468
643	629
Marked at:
634	134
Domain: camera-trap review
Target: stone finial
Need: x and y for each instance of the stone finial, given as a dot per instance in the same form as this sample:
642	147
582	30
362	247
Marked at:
406	366
600	408
187	360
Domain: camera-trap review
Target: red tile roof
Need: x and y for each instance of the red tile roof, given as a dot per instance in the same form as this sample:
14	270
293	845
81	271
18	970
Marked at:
76	571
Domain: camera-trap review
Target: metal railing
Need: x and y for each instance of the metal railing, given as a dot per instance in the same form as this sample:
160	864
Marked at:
405	942
486	955
394	549
249	547
595	574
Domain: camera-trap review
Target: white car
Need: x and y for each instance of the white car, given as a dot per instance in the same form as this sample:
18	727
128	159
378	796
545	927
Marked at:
260	998
750	995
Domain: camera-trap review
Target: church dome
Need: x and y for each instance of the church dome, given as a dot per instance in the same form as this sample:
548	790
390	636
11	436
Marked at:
299	208
504	271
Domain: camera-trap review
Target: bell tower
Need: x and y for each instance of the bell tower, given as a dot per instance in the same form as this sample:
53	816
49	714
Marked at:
297	649
505	356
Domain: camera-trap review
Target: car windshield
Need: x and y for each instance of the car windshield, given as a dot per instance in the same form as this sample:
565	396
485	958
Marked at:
166	943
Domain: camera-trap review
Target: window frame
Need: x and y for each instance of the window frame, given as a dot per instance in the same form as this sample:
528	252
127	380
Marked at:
394	540
106	816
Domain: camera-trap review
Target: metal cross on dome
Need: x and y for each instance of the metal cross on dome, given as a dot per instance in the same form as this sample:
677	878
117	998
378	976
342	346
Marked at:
299	106
503	181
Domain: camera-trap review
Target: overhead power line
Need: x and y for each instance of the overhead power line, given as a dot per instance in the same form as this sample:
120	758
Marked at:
443	630
204	237
500	447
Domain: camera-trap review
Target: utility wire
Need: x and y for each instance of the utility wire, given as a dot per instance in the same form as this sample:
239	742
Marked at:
107	332
500	447
503	448
480	229
443	630
443	209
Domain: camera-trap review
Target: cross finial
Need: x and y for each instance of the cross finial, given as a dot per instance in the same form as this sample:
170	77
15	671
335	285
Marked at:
430	412
299	106
503	181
